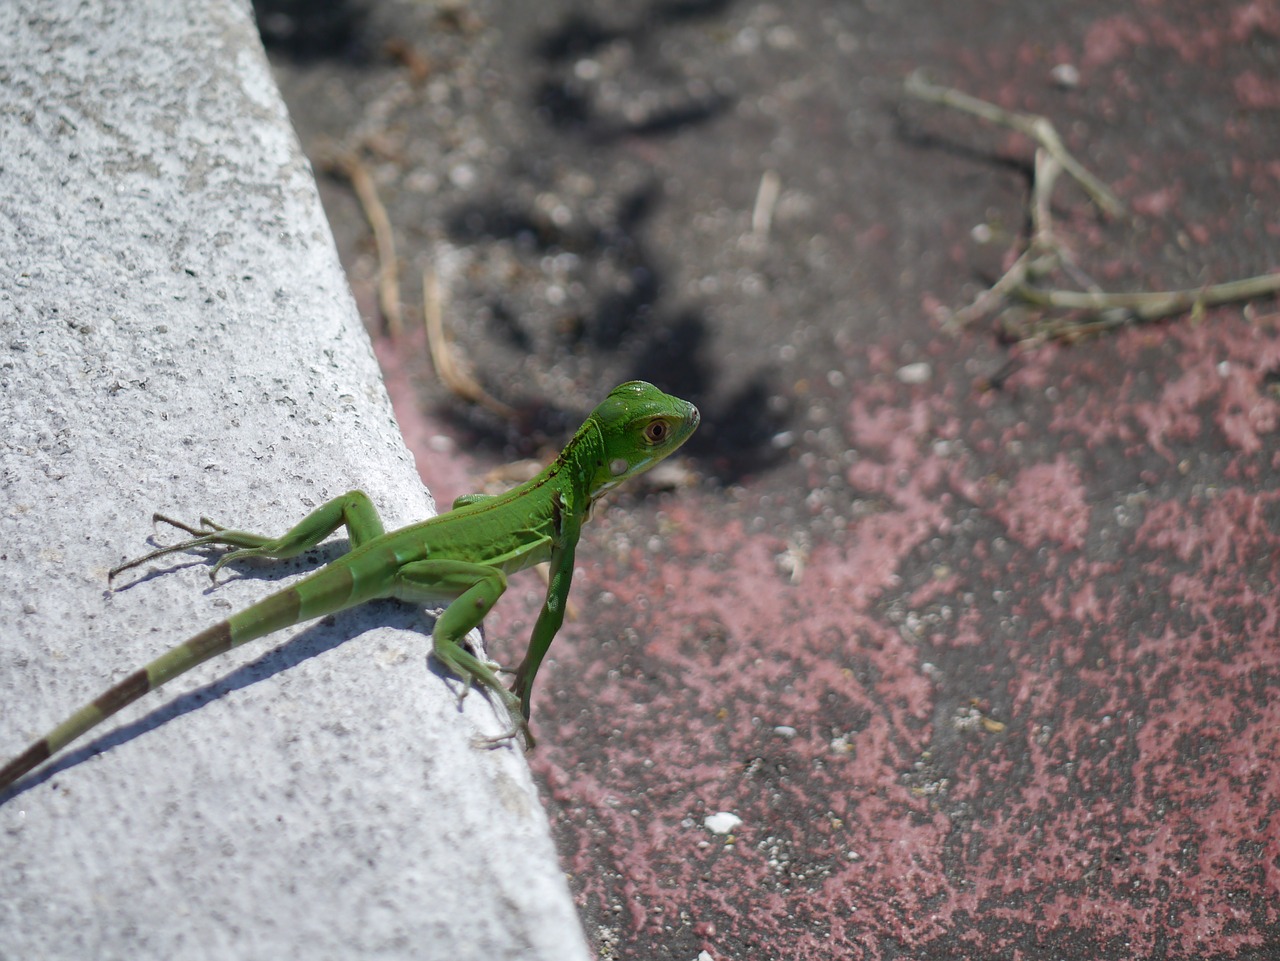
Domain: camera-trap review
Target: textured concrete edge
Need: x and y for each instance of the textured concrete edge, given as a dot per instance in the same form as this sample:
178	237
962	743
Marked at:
178	331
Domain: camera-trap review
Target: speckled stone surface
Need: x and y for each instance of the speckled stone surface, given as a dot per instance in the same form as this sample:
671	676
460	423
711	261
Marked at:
176	334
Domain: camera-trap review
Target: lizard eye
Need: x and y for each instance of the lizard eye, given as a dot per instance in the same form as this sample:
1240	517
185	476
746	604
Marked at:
656	432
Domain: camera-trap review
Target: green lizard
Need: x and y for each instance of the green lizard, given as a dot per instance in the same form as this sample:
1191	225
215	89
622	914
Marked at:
461	557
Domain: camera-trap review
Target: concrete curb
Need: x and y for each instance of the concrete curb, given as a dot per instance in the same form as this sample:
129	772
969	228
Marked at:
178	336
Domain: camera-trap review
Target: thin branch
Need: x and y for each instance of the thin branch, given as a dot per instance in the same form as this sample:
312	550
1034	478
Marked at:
1036	127
990	299
350	166
1045	253
1154	305
443	357
766	201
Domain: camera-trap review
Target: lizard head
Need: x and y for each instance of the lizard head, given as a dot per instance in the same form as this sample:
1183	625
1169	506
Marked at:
638	425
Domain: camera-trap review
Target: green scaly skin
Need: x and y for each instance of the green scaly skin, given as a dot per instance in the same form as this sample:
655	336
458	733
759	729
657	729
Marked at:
462	557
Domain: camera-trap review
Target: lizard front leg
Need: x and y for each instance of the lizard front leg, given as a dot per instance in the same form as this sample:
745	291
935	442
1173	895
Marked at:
568	528
475	588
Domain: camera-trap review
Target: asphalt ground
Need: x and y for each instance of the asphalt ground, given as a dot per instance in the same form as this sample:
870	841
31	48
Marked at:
973	631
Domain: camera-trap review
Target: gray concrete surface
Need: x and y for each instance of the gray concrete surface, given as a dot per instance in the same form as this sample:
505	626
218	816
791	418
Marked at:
177	336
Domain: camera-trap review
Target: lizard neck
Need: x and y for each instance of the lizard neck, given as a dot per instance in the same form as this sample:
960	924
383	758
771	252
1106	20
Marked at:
579	465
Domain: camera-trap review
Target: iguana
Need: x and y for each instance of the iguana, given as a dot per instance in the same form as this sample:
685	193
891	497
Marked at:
461	557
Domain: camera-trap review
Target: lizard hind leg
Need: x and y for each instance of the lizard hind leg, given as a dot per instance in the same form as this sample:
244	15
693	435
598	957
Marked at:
352	510
210	535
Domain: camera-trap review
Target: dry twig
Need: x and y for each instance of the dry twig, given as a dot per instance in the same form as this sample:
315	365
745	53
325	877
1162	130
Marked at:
1037	128
443	358
350	166
1045	253
766	201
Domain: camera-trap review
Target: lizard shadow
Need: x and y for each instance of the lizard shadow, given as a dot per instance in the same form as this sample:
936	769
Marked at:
322	636
265	569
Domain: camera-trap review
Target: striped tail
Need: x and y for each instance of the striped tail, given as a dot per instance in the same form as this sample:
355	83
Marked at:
185	656
270	614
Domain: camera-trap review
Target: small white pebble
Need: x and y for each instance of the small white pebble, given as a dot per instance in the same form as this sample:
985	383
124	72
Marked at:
1065	75
917	373
784	730
722	822
462	175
